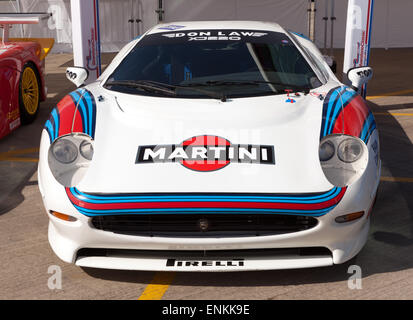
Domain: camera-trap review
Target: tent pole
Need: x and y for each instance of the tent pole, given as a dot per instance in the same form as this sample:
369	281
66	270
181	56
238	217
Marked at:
131	20
332	28
311	19
139	18
160	11
325	18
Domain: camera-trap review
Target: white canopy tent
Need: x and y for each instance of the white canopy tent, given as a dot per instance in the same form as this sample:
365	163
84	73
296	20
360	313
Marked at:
391	23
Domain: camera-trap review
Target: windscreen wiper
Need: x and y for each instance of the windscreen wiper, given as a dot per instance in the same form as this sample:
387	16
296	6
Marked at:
215	95
294	87
209	83
140	84
220	83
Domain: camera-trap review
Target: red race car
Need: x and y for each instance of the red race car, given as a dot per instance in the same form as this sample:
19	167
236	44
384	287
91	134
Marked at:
22	65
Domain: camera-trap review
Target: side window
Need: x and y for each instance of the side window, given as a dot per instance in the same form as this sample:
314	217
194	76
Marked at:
315	60
319	63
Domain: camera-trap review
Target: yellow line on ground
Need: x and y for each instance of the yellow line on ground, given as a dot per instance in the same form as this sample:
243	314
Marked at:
158	286
396	179
19	151
11	155
394	93
19	159
392	114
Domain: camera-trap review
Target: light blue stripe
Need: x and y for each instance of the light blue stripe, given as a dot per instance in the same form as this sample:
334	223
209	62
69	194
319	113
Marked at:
347	95
330	106
367	124
300	35
56	123
49	128
373	127
211	199
327	193
202	210
84	197
89	103
97	199
82	109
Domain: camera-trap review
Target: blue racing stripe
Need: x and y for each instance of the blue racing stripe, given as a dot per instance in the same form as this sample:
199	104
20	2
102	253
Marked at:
367	126
84	196
49	129
341	103
90	212
239	198
80	104
56	123
369	134
91	106
331	102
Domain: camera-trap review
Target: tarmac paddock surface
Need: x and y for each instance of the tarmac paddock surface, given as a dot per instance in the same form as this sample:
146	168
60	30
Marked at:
29	266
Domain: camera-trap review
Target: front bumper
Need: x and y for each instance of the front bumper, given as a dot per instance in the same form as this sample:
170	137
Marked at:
343	240
66	240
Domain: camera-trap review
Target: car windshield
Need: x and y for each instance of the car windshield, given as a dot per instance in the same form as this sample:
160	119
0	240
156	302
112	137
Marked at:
211	63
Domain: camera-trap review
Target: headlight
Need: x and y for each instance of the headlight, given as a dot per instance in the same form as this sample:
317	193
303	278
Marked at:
343	158
350	150
86	149
69	158
326	150
64	151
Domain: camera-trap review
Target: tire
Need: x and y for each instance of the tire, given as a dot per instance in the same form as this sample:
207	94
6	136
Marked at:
29	93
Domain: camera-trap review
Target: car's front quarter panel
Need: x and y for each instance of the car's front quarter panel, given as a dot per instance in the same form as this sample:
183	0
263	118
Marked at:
359	196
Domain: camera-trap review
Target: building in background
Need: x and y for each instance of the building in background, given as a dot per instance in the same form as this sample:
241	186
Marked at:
123	20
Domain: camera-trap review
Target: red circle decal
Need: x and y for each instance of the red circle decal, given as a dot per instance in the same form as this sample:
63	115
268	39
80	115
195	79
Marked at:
208	153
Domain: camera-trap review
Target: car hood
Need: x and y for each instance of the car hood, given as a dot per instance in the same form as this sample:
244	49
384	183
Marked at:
289	131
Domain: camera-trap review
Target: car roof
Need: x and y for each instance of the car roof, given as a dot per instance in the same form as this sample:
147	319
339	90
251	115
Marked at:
216	25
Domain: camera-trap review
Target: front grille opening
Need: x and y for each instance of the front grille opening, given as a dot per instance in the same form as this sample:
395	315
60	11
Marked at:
211	225
206	254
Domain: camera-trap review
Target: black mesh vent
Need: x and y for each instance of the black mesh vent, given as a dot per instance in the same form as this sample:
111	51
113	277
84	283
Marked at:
211	225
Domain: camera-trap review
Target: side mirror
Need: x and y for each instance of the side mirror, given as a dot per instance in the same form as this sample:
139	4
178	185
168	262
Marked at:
331	63
359	76
77	75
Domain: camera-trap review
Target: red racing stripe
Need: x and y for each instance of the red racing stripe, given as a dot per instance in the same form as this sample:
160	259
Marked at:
209	204
66	109
354	116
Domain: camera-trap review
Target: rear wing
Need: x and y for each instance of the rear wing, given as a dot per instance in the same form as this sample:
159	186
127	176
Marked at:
8	19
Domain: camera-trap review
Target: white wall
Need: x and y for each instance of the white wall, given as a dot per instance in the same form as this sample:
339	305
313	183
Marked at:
392	20
291	14
116	31
391	27
58	27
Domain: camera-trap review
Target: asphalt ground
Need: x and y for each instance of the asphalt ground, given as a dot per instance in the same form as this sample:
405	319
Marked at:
28	264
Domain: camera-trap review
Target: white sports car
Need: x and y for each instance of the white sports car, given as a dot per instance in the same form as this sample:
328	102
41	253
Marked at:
211	146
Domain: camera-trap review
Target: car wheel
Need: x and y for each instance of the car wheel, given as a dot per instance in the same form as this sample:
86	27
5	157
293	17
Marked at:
29	94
